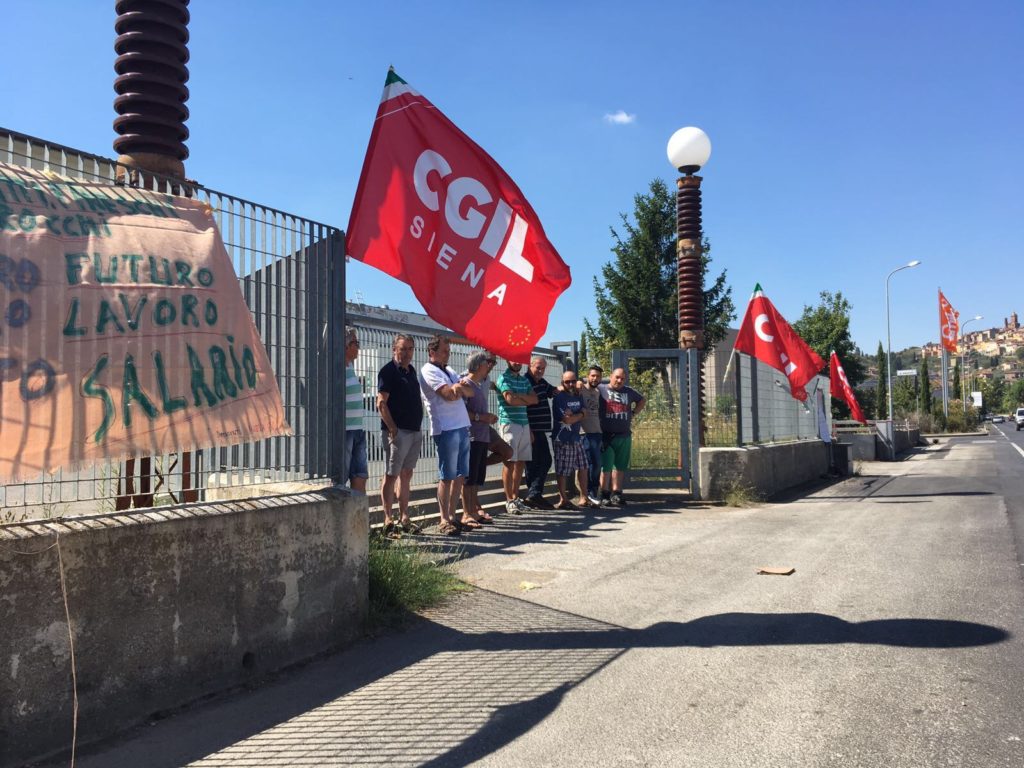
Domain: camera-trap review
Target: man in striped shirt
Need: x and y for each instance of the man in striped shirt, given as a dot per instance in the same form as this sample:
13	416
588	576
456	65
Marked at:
355	469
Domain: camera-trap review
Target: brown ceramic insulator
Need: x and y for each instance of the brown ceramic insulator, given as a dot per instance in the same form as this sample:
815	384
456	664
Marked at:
691	273
152	51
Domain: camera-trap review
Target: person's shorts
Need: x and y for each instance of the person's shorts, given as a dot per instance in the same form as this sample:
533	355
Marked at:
453	453
616	454
355	453
477	463
402	452
569	457
518	438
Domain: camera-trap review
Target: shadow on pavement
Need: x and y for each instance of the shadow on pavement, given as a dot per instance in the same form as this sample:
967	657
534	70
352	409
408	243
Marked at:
464	682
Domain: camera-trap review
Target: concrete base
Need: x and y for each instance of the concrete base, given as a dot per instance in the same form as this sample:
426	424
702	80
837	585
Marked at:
764	469
167	607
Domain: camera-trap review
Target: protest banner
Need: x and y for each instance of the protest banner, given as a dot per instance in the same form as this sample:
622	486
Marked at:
123	331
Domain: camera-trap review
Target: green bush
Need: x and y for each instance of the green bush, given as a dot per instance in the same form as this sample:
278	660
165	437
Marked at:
406	577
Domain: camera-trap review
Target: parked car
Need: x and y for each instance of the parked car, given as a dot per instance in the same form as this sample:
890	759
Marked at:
998	419
1019	418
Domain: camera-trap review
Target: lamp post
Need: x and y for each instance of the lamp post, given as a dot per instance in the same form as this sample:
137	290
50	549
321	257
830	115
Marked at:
888	335
963	366
688	150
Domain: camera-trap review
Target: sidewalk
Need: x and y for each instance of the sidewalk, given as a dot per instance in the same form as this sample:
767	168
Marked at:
645	637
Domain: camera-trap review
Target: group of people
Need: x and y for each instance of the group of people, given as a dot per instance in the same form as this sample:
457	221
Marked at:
586	423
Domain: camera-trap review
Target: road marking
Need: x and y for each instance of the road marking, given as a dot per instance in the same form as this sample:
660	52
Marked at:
1016	447
981	442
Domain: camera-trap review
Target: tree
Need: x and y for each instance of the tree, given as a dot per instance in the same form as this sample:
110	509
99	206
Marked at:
957	391
924	404
636	299
1014	397
826	327
882	390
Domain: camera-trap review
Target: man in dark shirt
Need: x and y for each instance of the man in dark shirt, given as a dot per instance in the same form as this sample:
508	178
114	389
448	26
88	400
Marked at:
401	417
540	428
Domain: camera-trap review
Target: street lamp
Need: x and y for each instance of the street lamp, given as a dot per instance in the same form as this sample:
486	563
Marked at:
963	367
888	334
688	150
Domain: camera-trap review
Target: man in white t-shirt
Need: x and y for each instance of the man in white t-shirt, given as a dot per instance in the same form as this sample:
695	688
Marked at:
443	395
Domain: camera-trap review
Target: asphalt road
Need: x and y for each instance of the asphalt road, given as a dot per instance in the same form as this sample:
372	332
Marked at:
646	638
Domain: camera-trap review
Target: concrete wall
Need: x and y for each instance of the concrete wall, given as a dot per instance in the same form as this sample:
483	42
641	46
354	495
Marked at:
169	606
862	447
905	439
766	469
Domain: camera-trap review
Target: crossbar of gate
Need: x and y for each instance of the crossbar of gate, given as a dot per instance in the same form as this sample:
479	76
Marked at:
291	273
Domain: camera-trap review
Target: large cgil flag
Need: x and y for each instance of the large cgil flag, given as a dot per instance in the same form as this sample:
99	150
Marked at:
841	389
434	210
949	323
766	335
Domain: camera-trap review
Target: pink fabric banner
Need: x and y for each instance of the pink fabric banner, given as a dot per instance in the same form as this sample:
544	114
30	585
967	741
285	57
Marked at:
123	331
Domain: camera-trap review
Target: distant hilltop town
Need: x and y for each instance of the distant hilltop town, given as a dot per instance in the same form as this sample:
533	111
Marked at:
1002	348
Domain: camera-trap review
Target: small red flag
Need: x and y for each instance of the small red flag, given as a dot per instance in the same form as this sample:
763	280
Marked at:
841	389
766	335
949	323
437	212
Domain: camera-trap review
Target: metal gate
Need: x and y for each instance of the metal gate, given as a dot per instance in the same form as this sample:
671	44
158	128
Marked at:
662	433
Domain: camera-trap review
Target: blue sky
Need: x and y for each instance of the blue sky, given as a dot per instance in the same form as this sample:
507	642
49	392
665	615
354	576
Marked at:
847	138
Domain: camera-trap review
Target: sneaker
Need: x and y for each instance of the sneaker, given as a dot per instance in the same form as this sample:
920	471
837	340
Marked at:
594	499
513	508
616	500
605	499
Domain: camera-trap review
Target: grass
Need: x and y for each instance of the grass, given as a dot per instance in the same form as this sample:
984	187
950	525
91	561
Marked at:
406	577
740	495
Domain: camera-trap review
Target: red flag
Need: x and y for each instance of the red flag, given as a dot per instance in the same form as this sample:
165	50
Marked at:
841	389
766	335
949	323
435	211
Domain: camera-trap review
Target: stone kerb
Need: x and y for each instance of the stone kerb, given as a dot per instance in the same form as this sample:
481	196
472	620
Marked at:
168	606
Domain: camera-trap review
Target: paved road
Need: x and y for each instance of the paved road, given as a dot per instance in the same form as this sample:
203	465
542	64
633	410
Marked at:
647	638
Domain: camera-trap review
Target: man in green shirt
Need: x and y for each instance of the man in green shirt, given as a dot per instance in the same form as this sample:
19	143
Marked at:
514	393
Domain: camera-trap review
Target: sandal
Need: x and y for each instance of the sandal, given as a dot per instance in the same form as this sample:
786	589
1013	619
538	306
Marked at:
470	525
448	529
391	531
484	517
583	503
565	505
411	527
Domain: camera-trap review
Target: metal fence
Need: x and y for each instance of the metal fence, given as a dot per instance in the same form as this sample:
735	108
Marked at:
291	273
375	350
753	405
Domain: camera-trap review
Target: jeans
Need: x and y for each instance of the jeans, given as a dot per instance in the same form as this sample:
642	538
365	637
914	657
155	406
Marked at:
354	461
453	453
592	443
538	467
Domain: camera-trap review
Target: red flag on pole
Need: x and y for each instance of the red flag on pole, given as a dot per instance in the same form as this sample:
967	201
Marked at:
766	335
949	323
841	389
437	212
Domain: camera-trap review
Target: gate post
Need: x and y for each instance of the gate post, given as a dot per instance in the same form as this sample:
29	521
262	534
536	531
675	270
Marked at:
336	358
